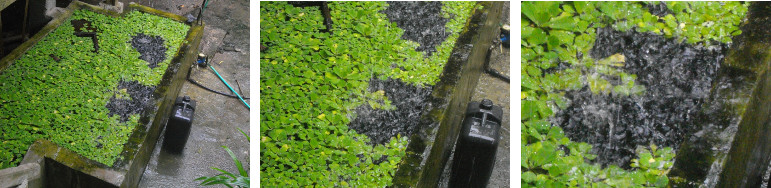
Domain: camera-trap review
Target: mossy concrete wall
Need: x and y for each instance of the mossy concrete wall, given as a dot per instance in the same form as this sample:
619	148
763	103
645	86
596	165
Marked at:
62	167
429	149
730	147
750	153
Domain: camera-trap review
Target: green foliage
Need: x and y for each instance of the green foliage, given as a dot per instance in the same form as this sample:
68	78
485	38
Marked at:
705	21
64	101
226	178
311	81
556	33
122	94
610	67
549	159
378	100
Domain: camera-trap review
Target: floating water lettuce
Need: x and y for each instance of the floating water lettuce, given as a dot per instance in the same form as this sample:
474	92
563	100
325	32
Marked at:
58	89
556	39
311	81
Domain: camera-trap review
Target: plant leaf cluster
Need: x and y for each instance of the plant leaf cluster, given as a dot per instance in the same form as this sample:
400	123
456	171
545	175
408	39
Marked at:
556	39
226	178
551	160
311	81
64	100
378	100
704	21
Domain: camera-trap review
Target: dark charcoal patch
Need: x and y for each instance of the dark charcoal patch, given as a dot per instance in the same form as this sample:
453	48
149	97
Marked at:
422	22
150	47
141	97
677	78
380	125
659	10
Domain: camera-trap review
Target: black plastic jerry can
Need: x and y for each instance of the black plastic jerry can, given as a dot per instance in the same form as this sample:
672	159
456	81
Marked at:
476	146
178	127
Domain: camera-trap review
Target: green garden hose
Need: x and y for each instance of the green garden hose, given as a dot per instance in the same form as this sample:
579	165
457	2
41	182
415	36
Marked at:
231	88
200	14
205	4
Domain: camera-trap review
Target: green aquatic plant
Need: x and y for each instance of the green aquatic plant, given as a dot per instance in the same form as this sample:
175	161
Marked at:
561	34
311	81
705	21
551	160
378	100
59	88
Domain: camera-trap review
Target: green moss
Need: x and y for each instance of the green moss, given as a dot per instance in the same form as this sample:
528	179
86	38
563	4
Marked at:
64	101
311	81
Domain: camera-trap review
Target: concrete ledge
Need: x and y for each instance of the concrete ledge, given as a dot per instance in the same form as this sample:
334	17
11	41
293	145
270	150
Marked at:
118	7
65	168
26	175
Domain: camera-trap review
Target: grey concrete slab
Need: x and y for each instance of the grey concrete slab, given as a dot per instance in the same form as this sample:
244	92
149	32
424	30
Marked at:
212	43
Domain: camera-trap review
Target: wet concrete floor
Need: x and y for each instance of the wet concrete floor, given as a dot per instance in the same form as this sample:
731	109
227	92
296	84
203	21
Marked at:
217	118
498	91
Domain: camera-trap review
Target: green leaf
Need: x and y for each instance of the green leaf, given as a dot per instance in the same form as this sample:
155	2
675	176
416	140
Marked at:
670	21
537	37
661	181
553	42
528	177
244	133
529	83
533	71
527	31
237	162
565	21
224	172
540	11
557	170
568	8
544	109
555	133
564	37
544	154
529	110
583	6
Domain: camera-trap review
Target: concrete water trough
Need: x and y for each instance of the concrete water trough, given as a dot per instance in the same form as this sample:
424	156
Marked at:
47	164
